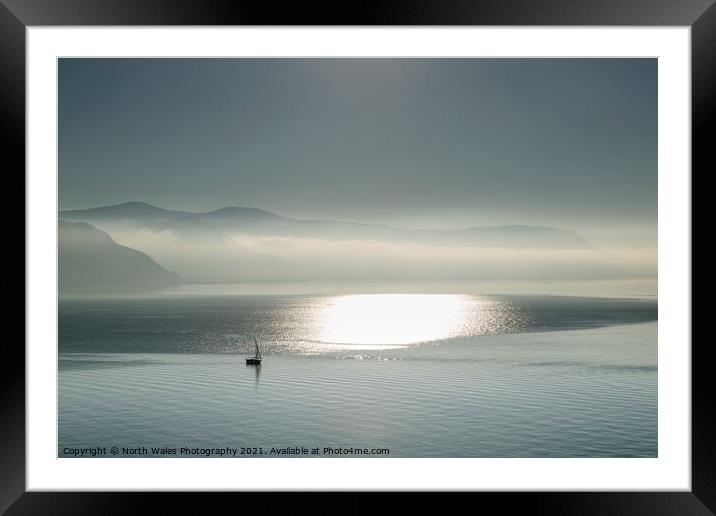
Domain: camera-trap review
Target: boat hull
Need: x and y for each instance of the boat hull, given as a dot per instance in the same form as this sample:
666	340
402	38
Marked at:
253	361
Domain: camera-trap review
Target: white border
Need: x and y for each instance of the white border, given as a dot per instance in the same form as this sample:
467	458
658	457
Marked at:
670	471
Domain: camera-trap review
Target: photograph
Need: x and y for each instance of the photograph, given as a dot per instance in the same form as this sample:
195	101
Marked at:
357	257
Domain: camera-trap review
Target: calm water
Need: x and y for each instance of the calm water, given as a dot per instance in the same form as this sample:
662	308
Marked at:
420	375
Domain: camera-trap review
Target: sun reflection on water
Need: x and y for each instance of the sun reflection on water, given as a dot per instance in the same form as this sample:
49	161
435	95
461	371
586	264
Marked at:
402	319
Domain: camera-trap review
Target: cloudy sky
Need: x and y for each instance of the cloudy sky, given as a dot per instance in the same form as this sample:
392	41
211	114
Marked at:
418	142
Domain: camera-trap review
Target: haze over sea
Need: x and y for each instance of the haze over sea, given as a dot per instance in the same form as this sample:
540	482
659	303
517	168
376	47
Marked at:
422	375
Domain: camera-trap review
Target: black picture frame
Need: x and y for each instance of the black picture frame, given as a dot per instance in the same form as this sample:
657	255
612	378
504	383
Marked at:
16	15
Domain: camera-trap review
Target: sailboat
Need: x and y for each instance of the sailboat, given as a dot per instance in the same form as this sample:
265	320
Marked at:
255	360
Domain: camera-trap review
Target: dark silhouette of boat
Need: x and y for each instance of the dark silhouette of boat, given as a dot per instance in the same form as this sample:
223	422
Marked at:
255	360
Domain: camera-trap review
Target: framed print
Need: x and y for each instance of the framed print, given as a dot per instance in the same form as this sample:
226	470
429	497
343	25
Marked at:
441	249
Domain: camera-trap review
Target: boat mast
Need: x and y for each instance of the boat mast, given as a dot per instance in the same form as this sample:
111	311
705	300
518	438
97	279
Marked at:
258	353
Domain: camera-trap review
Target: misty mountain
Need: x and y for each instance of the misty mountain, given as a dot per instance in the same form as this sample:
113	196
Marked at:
252	221
91	262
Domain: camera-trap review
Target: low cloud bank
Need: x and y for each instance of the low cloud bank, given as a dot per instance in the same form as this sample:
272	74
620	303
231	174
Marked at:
244	258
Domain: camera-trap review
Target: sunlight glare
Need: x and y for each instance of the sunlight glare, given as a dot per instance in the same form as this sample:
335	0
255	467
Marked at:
383	319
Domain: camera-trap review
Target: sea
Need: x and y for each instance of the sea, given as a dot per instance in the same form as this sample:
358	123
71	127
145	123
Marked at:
358	375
